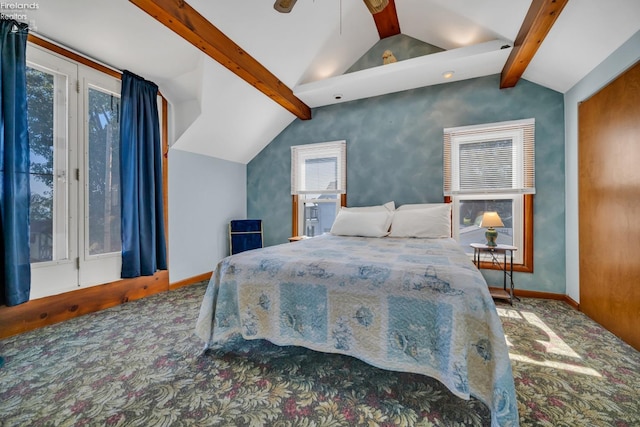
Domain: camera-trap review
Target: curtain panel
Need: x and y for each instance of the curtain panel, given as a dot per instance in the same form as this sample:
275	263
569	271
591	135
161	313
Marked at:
143	239
15	268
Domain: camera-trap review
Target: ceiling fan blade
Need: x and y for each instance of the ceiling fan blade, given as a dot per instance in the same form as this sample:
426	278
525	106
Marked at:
284	6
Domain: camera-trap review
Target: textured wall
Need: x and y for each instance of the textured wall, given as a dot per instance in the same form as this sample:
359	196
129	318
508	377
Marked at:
394	152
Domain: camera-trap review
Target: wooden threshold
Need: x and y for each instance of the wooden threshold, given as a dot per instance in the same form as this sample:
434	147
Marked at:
58	308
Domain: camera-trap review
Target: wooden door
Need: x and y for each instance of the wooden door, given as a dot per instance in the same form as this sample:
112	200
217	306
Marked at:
609	206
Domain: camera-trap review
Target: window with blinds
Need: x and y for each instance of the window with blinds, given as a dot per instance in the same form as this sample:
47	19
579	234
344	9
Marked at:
318	185
490	167
319	168
492	158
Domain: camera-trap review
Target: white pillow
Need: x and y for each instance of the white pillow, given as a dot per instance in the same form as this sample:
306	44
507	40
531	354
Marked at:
365	223
420	206
431	222
389	206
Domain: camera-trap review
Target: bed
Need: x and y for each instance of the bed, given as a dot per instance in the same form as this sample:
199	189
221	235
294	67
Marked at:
397	303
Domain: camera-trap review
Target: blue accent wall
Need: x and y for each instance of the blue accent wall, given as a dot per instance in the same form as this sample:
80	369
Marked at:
402	46
394	152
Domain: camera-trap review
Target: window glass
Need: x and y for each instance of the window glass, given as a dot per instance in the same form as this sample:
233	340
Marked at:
40	107
471	215
104	172
319	213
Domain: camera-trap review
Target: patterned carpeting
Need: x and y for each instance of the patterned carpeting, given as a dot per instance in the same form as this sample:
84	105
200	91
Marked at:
139	364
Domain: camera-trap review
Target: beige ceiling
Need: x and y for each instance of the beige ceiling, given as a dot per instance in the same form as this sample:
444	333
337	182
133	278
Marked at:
215	113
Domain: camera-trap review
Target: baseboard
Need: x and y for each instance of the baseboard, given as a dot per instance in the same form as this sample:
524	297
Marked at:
58	308
191	280
546	295
536	294
572	302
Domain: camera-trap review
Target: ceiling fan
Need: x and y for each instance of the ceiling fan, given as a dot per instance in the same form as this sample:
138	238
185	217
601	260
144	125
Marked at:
374	6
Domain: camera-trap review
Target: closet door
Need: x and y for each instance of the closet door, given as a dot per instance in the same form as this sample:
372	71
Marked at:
609	203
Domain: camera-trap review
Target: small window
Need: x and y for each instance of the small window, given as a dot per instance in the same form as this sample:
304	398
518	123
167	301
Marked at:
491	168
318	186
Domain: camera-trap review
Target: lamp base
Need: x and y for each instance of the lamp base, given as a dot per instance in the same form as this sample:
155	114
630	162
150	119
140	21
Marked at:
491	235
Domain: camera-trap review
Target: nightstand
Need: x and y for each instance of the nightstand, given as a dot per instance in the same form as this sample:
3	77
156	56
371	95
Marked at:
494	252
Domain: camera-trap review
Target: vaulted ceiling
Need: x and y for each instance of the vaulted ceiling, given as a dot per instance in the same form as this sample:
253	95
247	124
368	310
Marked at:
231	103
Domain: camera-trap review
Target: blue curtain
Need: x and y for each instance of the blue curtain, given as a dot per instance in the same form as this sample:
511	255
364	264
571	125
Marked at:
143	240
15	268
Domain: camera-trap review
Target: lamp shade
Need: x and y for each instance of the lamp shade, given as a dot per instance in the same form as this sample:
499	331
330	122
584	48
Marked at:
491	219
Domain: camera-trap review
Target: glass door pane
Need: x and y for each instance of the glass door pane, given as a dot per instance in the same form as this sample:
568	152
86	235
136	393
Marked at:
103	172
46	98
100	243
51	108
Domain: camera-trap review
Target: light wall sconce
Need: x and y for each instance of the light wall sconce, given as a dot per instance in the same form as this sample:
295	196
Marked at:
491	220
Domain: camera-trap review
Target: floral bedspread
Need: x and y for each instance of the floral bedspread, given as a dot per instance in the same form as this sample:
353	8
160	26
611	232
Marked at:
411	305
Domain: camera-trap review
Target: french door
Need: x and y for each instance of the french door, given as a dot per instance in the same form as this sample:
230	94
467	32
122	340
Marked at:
73	115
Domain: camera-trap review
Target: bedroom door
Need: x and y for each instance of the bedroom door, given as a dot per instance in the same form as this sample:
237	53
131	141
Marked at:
609	206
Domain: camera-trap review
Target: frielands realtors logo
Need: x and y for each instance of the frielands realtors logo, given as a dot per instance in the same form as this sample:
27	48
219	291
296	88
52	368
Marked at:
17	11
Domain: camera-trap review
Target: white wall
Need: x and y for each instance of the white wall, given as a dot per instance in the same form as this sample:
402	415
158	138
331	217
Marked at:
625	56
205	193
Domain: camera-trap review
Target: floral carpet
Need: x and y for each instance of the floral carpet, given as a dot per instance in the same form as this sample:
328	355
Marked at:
139	364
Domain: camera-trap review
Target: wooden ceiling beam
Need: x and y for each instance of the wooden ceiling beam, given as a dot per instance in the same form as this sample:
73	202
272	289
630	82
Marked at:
387	21
185	21
540	18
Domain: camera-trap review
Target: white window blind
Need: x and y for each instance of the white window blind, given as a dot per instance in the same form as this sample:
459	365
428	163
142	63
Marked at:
491	158
319	168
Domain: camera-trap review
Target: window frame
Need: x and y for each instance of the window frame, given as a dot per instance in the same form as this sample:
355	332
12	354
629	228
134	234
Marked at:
297	207
161	277
301	153
523	187
527	236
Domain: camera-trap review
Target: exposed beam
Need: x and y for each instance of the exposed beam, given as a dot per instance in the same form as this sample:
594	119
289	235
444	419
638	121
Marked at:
540	18
185	21
387	21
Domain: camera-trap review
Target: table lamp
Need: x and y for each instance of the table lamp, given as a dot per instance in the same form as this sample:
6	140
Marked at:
490	220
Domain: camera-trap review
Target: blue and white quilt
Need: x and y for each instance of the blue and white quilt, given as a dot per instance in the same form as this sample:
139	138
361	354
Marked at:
411	305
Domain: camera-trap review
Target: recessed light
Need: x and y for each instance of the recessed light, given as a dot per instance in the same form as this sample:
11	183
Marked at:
448	74
338	96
